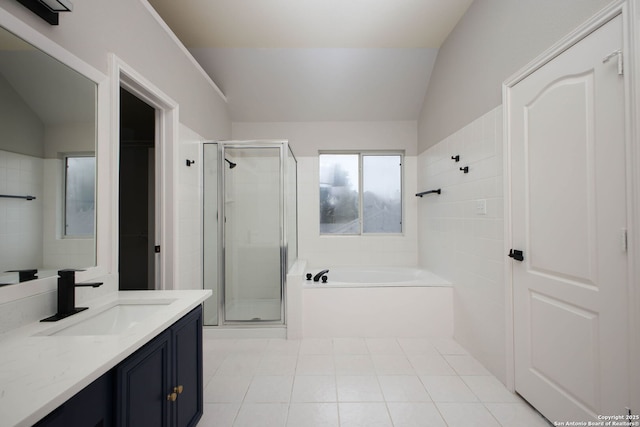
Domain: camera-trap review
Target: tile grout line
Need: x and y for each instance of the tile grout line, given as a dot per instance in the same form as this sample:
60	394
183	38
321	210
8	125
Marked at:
228	354
295	369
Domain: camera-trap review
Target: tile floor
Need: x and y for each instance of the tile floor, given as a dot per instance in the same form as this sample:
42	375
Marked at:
353	382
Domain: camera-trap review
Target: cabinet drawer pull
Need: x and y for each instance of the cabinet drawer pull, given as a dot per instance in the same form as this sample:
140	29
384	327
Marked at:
178	389
172	397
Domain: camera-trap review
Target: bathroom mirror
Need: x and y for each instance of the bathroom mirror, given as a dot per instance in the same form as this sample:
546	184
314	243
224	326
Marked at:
47	163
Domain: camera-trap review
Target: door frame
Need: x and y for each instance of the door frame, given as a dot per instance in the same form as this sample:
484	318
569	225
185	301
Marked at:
630	12
166	137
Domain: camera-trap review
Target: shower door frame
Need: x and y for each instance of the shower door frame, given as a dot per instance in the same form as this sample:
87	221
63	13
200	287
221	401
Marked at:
283	146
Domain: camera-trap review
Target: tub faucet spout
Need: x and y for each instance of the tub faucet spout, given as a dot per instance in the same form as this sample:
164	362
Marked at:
317	277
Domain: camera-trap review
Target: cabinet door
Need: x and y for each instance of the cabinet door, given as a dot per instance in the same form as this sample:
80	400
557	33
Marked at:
187	344
91	407
143	385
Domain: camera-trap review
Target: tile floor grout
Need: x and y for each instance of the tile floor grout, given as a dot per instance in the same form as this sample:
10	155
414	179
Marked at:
348	347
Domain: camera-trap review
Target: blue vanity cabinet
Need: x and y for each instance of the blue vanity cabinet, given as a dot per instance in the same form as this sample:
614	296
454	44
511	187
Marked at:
187	344
161	384
91	407
142	382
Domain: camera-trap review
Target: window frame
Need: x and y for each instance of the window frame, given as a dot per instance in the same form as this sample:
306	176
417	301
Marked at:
65	157
361	154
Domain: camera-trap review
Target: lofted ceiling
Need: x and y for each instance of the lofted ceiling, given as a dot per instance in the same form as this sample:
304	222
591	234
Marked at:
316	60
54	92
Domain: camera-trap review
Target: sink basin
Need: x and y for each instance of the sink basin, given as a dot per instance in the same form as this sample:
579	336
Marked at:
112	320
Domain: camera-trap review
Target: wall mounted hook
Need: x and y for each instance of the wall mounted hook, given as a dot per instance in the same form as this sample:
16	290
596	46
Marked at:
456	158
190	162
465	169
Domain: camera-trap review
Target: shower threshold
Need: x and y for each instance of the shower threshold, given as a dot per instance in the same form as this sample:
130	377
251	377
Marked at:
253	310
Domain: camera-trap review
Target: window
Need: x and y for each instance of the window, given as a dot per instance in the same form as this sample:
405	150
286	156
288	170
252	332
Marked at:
360	193
79	196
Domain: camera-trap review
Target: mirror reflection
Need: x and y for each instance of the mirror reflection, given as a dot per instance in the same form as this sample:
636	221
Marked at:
47	164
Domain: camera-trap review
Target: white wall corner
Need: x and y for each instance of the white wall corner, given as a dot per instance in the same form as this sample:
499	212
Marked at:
183	48
293	300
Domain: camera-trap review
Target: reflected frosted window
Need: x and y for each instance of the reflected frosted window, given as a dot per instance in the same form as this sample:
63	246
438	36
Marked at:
80	185
381	194
339	194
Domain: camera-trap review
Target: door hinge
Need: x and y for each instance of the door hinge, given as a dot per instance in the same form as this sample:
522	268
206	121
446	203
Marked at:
157	249
616	54
624	245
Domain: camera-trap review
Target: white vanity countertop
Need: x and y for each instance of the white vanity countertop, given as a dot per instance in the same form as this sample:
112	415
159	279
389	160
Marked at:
38	373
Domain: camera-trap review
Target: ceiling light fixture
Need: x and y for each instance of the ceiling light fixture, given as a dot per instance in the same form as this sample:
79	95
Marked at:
48	9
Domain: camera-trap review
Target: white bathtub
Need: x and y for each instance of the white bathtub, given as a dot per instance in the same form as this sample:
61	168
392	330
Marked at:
377	276
372	302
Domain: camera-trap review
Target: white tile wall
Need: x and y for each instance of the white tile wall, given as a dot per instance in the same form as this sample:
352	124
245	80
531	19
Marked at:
32	229
461	245
57	251
20	220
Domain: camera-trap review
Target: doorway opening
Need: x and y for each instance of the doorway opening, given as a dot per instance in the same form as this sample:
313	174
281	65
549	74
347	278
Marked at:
137	194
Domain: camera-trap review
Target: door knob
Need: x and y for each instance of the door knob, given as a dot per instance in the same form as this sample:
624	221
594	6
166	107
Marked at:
172	397
516	254
178	389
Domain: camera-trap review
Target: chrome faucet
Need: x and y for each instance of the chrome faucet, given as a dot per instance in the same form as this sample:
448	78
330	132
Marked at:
317	277
67	294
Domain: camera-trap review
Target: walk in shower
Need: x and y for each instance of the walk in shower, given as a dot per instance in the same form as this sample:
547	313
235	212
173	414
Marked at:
250	230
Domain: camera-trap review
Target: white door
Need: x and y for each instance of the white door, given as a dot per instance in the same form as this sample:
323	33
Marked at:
568	207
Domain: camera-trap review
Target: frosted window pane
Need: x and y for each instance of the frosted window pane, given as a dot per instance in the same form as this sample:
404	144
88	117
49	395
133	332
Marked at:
80	185
339	198
382	194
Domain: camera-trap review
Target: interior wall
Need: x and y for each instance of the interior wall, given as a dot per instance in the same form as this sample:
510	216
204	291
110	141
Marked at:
465	245
20	220
189	234
130	30
127	28
60	252
306	140
21	152
69	138
493	40
22	129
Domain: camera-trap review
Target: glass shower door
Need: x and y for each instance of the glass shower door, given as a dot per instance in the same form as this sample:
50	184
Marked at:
211	273
252	234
